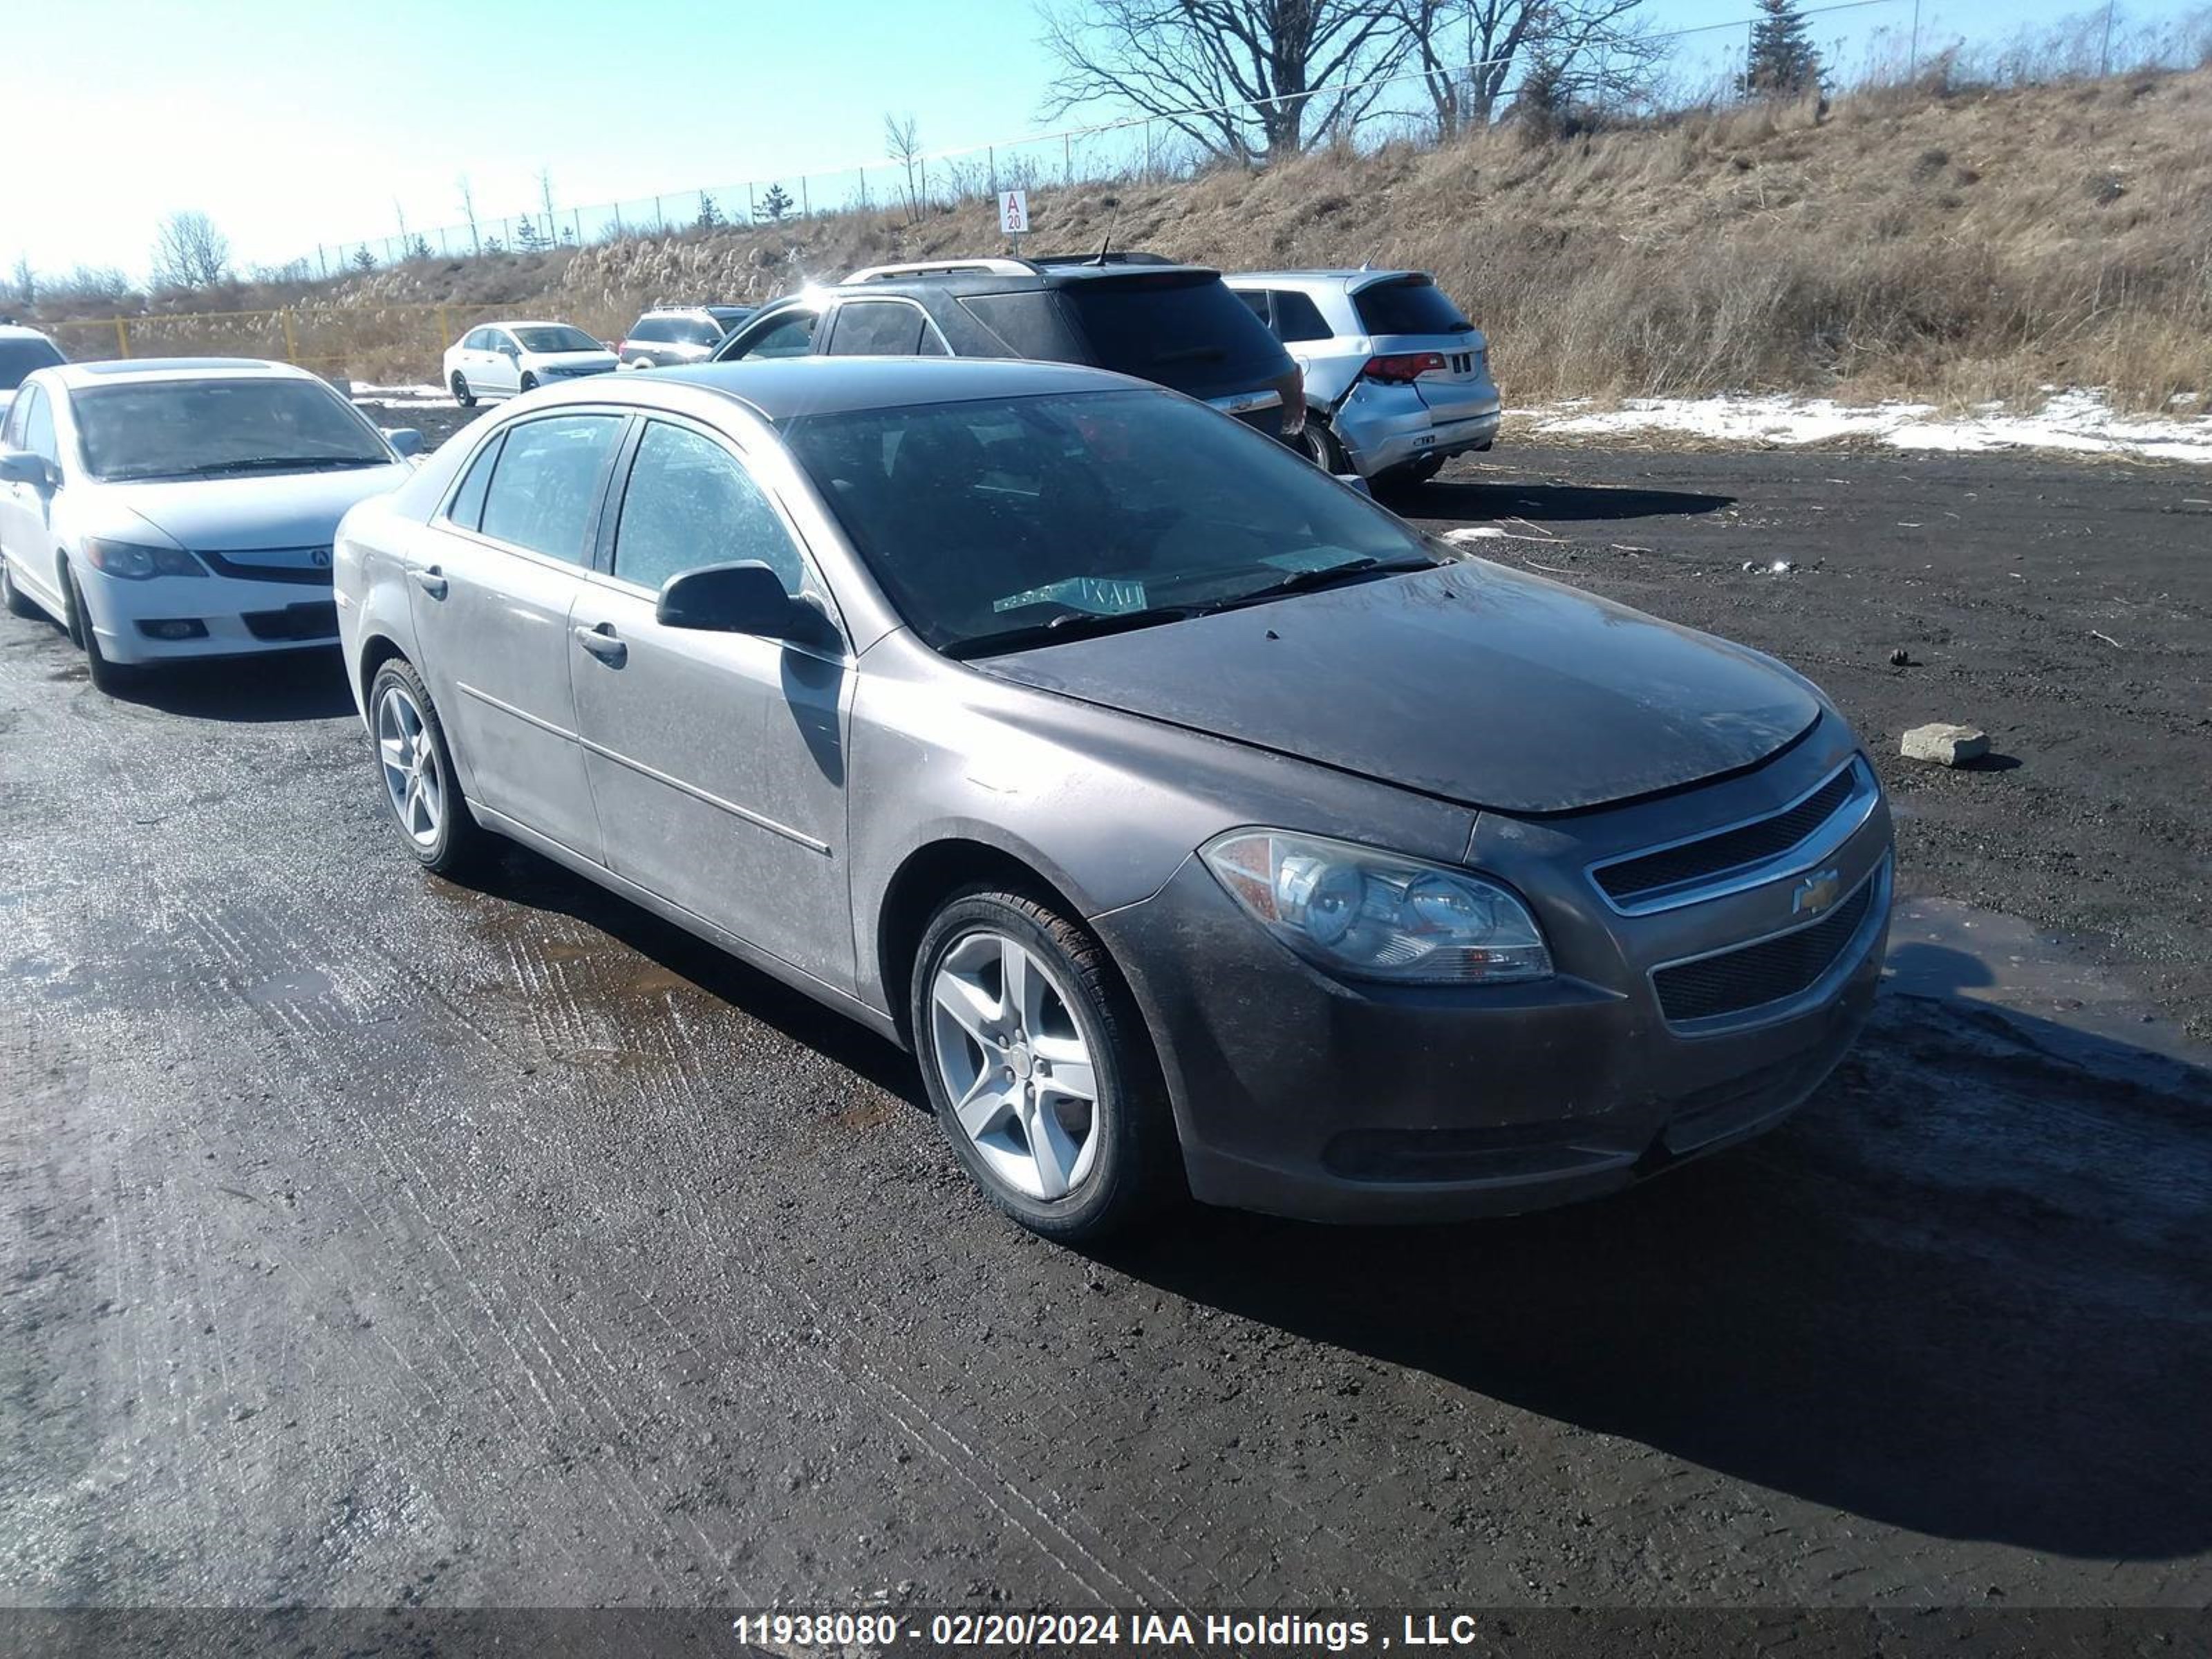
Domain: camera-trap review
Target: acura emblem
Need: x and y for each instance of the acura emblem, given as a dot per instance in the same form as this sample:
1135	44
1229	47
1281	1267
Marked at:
1816	893
319	557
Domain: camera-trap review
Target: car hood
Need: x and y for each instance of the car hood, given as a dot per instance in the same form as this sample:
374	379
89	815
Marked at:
257	509
571	360
1471	683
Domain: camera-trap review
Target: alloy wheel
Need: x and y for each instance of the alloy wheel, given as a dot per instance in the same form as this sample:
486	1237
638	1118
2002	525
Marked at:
410	760
1015	1064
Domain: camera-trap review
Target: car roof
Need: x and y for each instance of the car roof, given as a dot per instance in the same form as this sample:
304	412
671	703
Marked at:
19	331
524	322
79	376
1322	277
997	276
785	388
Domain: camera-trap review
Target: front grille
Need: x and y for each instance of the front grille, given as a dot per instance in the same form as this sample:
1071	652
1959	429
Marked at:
1768	971
1731	849
294	622
309	575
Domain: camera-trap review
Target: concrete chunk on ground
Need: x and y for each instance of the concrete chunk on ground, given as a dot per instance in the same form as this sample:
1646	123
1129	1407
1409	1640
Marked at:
1947	746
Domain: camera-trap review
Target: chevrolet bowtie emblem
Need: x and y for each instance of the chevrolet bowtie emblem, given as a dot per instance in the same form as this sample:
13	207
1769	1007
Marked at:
1816	893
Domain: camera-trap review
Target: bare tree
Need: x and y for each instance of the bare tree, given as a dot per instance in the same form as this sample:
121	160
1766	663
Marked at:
469	212
1472	53
26	279
189	251
1247	79
903	143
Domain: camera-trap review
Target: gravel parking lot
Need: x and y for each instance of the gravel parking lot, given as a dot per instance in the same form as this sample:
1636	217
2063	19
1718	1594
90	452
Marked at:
369	1239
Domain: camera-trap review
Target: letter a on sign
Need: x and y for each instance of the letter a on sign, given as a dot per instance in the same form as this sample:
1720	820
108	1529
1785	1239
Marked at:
1014	212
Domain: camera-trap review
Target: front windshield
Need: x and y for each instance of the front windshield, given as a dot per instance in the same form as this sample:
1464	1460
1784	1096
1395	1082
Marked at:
992	524
556	339
190	428
20	357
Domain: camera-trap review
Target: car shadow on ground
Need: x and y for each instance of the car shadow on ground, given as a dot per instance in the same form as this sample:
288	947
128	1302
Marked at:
1549	503
1965	1292
523	878
290	685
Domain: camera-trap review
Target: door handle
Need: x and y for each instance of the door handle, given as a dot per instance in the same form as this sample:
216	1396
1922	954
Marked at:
431	582
601	642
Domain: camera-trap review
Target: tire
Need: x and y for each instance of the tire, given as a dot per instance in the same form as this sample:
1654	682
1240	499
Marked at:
462	395
1319	445
530	383
107	675
1115	1154
414	765
18	604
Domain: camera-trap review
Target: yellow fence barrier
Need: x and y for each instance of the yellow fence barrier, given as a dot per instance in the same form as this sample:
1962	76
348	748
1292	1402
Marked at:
363	342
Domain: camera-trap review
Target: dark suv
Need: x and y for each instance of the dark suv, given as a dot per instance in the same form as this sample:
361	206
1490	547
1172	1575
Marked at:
1177	325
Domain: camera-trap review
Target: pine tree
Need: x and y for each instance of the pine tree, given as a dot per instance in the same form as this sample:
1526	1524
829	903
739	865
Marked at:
776	203
1783	63
363	260
710	216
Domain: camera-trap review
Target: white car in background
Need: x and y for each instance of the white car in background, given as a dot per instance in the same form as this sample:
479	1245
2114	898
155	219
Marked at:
505	359
22	351
163	509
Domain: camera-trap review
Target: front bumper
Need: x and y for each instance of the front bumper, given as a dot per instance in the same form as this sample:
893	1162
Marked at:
237	617
1384	428
1299	1094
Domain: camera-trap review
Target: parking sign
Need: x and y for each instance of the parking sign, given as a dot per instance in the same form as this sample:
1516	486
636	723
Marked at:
1014	212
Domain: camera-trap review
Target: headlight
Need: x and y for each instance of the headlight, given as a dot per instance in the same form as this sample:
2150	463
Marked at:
135	563
1372	915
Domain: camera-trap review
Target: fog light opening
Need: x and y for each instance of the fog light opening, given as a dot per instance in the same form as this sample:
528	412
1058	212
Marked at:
172	627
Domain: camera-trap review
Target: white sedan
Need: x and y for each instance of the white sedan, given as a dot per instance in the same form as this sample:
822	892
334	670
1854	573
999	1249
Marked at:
163	509
505	359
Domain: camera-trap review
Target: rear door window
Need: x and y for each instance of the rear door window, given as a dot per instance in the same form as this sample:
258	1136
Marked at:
1411	304
876	328
545	485
1297	318
651	328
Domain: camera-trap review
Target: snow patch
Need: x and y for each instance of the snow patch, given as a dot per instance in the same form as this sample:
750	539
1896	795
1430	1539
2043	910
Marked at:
2081	421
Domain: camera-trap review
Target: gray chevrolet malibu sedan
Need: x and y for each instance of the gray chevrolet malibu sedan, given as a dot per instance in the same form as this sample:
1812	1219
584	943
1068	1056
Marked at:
1199	825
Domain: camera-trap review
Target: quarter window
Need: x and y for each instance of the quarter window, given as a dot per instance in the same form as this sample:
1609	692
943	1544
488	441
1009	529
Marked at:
690	503
546	482
39	429
467	510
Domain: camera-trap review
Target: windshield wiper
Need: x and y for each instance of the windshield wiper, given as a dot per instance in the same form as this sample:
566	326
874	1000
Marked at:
1299	581
1071	625
277	464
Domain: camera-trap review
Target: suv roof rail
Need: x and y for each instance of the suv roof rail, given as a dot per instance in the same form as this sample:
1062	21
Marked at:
924	267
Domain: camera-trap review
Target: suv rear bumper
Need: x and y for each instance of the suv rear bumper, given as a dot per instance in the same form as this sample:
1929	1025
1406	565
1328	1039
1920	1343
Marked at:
1382	427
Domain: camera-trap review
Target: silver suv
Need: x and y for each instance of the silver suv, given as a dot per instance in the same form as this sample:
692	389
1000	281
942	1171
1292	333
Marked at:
1397	380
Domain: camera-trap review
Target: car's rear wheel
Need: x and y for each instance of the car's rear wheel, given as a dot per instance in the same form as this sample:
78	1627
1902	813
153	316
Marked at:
1321	446
462	395
417	769
107	675
12	596
1038	1066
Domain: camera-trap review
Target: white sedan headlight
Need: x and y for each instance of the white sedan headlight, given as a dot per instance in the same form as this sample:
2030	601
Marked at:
1370	915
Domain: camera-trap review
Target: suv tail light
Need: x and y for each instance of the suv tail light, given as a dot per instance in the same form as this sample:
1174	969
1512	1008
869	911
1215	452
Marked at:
1404	368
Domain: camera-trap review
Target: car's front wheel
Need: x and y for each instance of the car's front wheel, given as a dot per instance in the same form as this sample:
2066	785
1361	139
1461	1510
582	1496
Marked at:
1038	1067
417	769
107	675
530	383
462	395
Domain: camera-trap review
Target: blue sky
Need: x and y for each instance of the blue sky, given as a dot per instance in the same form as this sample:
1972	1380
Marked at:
294	122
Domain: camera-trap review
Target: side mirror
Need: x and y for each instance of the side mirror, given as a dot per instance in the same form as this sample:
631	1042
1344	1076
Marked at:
20	466
746	598
510	350
405	441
